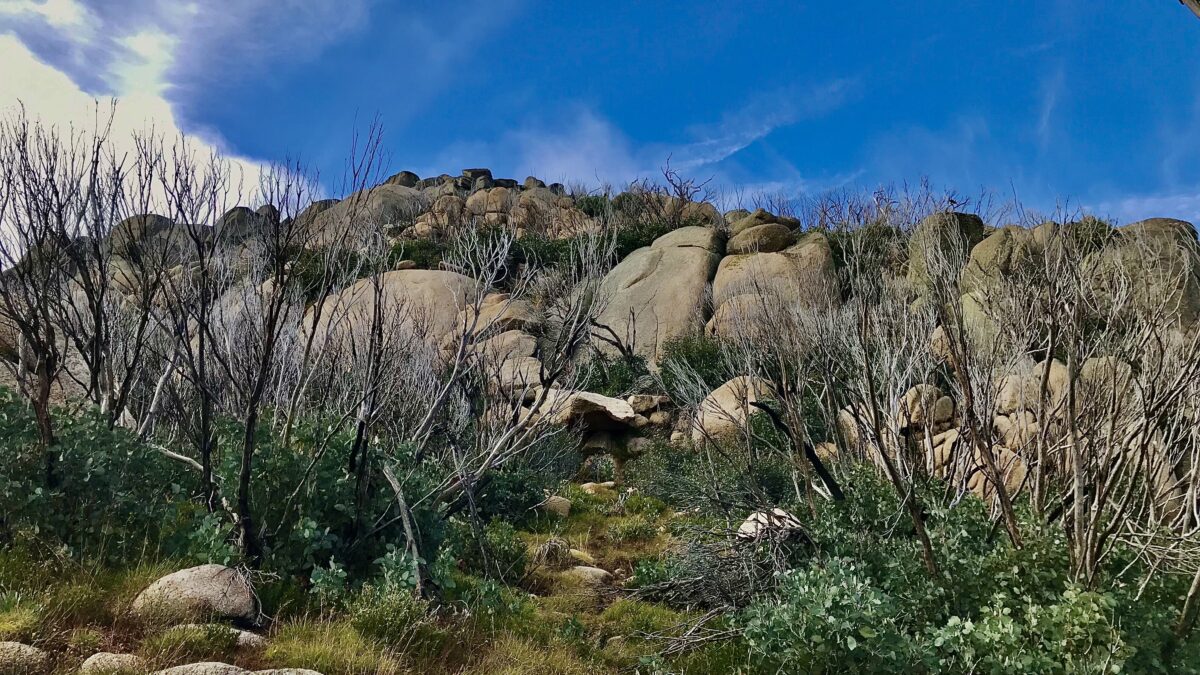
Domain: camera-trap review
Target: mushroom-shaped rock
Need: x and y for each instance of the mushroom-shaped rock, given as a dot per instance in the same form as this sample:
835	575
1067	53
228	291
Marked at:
728	408
108	663
592	411
22	659
206	591
766	523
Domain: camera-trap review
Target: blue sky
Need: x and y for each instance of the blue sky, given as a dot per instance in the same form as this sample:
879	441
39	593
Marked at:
1093	101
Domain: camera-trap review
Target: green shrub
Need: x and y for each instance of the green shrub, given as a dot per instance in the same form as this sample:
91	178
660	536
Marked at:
426	253
619	376
392	615
111	498
593	206
632	528
501	554
701	354
828	618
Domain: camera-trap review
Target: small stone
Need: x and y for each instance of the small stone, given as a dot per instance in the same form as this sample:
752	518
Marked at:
588	575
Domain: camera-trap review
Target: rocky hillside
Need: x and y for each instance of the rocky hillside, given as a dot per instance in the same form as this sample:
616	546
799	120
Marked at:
626	428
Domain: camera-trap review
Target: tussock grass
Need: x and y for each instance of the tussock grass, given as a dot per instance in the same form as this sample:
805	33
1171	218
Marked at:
329	647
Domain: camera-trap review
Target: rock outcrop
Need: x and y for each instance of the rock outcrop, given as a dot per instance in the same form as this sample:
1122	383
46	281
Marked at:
658	292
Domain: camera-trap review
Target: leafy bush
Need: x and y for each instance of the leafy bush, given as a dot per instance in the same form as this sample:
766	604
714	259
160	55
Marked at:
426	253
111	497
593	206
699	353
501	554
825	619
619	376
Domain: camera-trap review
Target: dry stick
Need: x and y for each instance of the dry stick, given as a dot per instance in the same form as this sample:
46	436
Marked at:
835	491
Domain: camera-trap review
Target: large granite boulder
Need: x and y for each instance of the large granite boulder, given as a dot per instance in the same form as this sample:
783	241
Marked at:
658	292
939	234
202	592
748	289
766	238
1159	259
1001	254
426	302
728	408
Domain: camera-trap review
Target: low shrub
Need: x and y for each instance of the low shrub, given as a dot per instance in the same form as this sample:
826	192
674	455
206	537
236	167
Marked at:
391	615
500	554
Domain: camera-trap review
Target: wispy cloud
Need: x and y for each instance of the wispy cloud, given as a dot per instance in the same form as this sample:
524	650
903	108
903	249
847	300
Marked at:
756	119
1053	87
578	143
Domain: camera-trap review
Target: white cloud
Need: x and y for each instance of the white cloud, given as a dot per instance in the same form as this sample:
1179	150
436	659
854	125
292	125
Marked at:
50	96
1183	205
65	60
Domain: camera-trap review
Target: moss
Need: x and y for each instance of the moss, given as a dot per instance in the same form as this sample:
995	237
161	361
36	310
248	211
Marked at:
332	648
